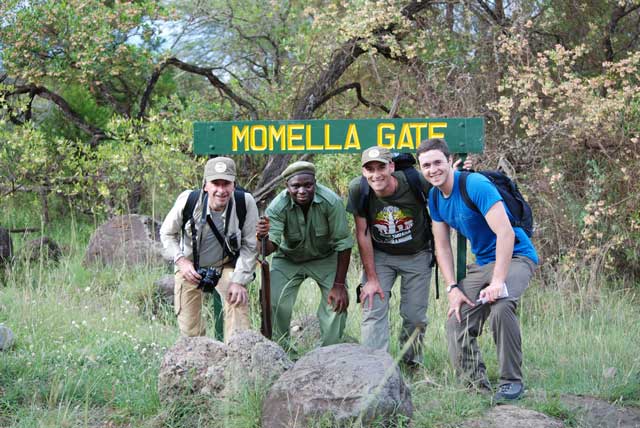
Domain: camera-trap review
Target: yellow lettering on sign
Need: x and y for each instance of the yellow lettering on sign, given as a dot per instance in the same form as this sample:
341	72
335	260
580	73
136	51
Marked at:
293	137
277	134
352	140
309	143
388	139
433	133
261	144
239	136
405	140
327	139
418	127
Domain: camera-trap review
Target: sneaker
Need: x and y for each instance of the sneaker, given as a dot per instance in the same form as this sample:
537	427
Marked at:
509	392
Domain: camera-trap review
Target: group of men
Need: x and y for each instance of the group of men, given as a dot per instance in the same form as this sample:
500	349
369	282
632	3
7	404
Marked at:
306	229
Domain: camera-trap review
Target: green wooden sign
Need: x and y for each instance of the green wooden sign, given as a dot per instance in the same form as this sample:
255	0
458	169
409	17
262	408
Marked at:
463	135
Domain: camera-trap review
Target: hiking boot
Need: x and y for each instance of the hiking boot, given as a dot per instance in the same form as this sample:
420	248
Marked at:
509	392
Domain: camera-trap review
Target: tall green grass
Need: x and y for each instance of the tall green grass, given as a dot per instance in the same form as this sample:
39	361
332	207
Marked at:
90	342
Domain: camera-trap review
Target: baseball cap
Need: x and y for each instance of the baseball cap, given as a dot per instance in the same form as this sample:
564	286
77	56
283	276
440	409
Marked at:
376	153
220	168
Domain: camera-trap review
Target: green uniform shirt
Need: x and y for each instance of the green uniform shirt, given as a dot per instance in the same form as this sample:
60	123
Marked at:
323	232
397	223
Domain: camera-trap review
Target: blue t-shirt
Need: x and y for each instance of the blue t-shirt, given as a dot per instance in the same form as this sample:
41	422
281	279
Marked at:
454	212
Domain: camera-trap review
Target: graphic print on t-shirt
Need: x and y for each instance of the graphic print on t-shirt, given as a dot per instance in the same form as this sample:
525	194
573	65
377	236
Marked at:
393	225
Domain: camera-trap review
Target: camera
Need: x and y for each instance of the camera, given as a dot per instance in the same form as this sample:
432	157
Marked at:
210	277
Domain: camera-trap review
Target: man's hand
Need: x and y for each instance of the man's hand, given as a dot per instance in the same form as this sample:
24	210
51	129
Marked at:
338	298
468	163
262	228
492	292
237	294
456	299
369	290
188	271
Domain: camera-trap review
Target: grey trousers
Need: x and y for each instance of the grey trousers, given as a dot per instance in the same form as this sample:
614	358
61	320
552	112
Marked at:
462	336
415	277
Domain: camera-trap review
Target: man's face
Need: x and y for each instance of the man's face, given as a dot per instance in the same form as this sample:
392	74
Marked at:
378	175
220	192
435	167
302	188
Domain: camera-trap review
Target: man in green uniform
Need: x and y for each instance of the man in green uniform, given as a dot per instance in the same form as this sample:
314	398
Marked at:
306	226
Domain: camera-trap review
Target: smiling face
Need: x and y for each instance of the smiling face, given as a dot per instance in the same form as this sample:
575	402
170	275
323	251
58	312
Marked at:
437	169
219	192
302	188
378	175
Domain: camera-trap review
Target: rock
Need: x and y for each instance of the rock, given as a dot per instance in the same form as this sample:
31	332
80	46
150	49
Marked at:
6	247
329	382
165	287
305	333
131	239
593	412
201	365
513	417
43	247
6	337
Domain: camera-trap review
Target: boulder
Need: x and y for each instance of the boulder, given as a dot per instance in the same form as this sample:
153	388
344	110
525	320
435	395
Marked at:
594	412
204	366
129	239
513	417
305	333
6	247
43	247
345	383
6	337
164	288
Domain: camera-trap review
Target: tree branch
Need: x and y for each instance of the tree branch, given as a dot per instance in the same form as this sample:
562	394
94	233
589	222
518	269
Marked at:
194	69
96	133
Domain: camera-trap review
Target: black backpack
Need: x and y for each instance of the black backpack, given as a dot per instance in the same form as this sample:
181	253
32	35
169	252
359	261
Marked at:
508	189
403	162
238	197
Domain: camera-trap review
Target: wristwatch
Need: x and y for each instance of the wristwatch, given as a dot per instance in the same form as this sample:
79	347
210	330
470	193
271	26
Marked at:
451	287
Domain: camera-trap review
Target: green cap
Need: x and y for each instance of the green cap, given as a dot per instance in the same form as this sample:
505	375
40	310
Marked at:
377	154
220	168
296	168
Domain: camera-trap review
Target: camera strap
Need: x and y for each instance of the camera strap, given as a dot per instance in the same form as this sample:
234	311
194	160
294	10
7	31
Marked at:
218	235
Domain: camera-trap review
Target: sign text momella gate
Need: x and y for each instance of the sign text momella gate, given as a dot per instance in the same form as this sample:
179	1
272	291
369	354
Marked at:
464	135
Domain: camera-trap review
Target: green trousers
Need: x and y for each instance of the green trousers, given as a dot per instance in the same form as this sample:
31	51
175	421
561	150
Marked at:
286	278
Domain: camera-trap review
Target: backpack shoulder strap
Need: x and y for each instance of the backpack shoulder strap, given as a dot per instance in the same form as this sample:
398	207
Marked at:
363	197
413	178
462	185
187	211
241	206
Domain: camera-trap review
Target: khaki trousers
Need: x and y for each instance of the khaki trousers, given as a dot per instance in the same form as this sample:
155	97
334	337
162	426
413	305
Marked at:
462	336
188	307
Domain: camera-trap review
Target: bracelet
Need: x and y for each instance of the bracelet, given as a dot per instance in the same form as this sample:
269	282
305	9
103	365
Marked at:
338	283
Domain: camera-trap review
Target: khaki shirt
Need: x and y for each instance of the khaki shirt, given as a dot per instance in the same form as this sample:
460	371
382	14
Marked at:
175	247
325	230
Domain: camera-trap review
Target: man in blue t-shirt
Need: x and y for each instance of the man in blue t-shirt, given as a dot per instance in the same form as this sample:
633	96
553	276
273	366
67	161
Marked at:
505	262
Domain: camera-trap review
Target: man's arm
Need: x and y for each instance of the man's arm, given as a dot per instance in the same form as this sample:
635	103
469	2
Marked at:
444	254
247	257
372	286
170	232
498	221
338	296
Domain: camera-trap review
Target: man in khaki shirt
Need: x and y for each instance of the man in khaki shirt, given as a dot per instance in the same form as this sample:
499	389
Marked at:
235	259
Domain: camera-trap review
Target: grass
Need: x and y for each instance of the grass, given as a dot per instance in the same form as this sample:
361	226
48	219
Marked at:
90	342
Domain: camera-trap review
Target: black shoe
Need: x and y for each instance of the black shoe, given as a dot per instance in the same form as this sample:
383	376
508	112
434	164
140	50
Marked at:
509	392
